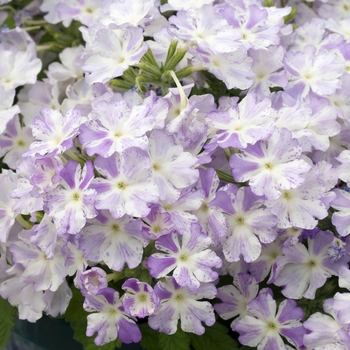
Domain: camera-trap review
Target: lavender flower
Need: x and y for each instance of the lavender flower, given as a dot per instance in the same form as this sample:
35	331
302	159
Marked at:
110	321
263	327
187	254
180	303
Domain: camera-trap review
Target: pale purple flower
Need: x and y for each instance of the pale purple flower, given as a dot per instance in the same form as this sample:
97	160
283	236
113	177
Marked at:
242	124
69	67
157	223
44	236
73	202
265	263
29	302
172	168
39	270
322	125
108	319
54	132
112	52
268	70
235	298
233	68
139	299
341	307
74	259
300	207
308	70
271	166
326	331
57	302
18	67
248	224
116	128
91	281
34	97
116	242
7	110
180	211
302	270
264	325
188	256
184	4
206	28
181	303
42	172
14	142
132	12
127	187
341	218
8	182
252	22
344	168
210	213
314	33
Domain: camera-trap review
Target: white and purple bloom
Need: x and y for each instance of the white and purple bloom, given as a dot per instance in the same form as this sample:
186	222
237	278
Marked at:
127	186
236	297
326	331
73	202
112	51
301	271
188	256
54	132
8	183
308	70
110	321
341	218
116	242
180	303
210	213
116	128
264	326
248	224
301	207
243	124
206	28
271	166
42	272
172	168
139	299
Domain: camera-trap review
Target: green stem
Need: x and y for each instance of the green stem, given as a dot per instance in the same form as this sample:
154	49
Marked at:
8	7
75	157
27	225
184	72
43	47
29	29
228	178
38	22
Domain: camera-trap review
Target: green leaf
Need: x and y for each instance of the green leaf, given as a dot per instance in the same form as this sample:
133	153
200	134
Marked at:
7	321
214	338
178	341
150	337
10	22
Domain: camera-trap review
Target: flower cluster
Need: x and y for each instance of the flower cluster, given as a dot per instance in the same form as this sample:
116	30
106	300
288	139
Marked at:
176	165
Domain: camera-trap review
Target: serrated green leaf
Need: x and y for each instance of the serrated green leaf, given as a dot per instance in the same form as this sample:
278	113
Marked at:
214	338
75	311
178	341
7	321
150	337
